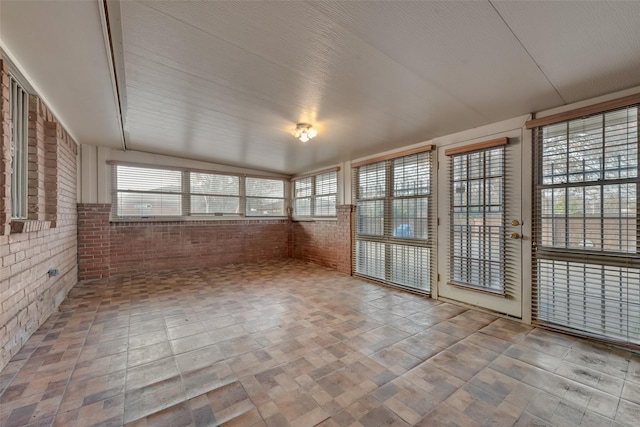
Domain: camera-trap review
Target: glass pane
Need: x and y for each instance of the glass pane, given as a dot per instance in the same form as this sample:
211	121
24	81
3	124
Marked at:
597	218
410	266
265	207
207	183
585	149
411	175
371	181
410	218
621	148
370	259
261	187
370	217
597	299
214	204
327	183
325	205
302	187
302	207
144	204
147	179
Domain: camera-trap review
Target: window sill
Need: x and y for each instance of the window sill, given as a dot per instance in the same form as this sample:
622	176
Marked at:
314	218
207	218
29	226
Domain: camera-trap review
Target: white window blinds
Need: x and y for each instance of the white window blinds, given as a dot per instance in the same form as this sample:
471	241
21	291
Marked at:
150	192
316	195
18	115
477	254
265	197
586	250
393	240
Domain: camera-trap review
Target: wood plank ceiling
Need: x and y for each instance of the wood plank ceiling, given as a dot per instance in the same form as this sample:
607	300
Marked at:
227	81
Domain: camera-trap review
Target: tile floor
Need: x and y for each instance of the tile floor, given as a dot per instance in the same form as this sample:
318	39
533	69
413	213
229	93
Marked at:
290	343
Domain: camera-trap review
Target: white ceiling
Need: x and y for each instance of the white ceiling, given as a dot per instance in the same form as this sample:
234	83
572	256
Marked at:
227	81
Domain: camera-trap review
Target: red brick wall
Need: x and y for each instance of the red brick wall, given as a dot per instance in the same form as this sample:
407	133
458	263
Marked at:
94	244
120	248
327	243
28	249
315	242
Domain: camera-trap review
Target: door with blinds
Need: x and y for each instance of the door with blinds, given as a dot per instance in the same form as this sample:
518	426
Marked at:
480	215
392	233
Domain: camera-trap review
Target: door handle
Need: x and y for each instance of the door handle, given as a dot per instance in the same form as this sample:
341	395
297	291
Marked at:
514	235
515	222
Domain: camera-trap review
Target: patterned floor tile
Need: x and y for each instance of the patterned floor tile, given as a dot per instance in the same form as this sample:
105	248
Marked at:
287	343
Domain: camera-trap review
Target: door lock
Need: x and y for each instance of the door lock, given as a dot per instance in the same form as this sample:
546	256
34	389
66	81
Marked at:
515	235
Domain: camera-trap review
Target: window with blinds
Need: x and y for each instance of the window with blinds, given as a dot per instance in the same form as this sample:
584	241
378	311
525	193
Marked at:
18	116
586	246
149	192
213	193
393	240
265	197
476	258
315	196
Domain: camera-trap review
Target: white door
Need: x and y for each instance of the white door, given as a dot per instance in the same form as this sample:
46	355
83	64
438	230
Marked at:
480	223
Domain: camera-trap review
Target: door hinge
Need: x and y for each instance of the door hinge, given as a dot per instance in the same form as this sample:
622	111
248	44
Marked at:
438	221
438	278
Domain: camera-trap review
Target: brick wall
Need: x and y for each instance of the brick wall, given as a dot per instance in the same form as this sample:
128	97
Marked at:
29	248
315	242
120	248
327	243
94	244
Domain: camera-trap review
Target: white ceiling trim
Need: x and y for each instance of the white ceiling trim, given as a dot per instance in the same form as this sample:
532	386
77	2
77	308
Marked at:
108	42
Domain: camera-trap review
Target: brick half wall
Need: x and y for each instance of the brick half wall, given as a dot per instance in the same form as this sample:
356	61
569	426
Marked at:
327	243
120	248
94	243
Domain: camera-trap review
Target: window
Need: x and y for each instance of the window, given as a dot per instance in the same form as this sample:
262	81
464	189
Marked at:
477	219
393	218
586	247
19	113
214	194
316	195
149	192
265	197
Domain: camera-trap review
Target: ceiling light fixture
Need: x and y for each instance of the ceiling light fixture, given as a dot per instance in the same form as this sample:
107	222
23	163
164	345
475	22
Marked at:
304	132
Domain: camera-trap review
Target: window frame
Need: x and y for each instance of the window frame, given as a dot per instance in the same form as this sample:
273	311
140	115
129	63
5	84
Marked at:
572	288
186	194
400	253
248	197
314	196
19	147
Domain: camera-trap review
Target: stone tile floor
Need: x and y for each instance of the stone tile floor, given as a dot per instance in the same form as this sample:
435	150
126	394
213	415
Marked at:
290	343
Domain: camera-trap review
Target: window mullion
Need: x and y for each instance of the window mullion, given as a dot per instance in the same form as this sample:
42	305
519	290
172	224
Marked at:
243	195
186	193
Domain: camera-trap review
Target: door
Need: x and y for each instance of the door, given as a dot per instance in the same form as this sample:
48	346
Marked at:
480	223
